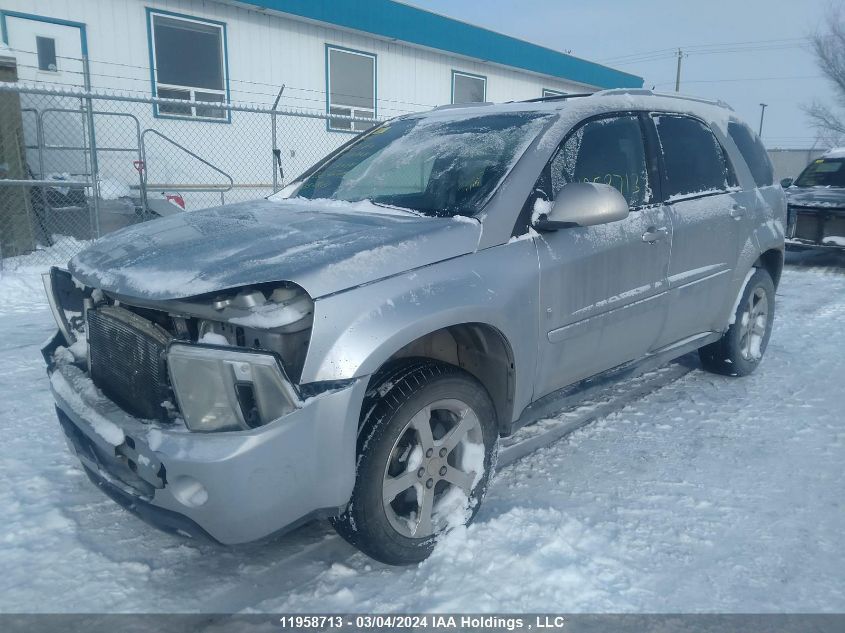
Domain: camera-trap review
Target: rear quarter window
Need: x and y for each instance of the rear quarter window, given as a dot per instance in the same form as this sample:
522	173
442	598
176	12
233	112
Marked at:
753	153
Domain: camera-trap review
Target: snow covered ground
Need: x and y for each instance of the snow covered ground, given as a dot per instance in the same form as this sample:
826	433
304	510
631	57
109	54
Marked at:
708	494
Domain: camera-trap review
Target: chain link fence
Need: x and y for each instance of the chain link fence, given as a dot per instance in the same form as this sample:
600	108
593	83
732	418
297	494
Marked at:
77	165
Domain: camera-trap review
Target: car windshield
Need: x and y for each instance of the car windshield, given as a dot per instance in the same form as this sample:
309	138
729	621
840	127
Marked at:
824	172
434	166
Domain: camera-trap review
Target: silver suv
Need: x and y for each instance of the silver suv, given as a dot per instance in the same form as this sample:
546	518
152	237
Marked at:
354	346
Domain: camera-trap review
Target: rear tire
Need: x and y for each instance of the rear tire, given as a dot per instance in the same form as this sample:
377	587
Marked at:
427	429
741	348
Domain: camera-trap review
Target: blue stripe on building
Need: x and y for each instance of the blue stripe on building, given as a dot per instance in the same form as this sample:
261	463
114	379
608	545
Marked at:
393	20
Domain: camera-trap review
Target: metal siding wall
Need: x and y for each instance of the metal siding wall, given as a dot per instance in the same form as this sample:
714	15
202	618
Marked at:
789	163
268	49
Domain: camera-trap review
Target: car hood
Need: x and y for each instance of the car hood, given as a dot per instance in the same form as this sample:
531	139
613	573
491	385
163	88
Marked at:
323	246
818	197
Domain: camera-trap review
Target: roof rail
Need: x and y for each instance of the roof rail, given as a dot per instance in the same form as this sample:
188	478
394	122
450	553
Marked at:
556	97
670	95
470	104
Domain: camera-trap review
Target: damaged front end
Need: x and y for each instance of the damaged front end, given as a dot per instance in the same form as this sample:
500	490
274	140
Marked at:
216	363
192	407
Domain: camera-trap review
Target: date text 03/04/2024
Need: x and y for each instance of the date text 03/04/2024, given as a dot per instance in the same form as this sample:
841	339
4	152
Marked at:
541	622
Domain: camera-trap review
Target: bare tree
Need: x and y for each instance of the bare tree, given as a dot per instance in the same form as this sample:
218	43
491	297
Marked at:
828	46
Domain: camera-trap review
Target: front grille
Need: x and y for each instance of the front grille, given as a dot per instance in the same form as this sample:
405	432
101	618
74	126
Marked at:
818	226
807	226
128	361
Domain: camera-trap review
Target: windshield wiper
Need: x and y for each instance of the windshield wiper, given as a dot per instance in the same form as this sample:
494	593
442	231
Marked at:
395	208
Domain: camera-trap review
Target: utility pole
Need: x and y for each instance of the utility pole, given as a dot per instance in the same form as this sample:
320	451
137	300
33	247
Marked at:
763	107
678	74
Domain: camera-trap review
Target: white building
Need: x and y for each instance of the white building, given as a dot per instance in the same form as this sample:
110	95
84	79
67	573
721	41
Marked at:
365	58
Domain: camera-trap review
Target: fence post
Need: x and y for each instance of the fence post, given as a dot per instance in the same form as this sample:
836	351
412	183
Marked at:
92	145
276	153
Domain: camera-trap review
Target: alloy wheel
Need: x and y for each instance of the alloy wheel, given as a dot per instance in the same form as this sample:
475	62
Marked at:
755	320
433	467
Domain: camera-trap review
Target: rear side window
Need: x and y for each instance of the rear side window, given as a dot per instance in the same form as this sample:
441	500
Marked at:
753	152
609	151
694	161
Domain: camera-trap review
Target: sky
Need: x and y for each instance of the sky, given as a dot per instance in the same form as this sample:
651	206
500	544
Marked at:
744	52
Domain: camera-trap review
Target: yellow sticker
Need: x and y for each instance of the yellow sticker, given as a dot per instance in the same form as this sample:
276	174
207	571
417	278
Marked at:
381	130
819	160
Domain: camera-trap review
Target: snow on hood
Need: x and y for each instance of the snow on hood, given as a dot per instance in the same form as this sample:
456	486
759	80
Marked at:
816	197
324	248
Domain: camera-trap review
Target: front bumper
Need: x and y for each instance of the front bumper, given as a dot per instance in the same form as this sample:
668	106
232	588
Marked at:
234	487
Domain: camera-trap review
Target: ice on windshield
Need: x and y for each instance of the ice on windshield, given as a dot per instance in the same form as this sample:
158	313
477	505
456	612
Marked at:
441	167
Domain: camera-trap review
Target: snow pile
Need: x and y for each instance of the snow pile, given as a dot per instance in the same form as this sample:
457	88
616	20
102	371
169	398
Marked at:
113	189
212	338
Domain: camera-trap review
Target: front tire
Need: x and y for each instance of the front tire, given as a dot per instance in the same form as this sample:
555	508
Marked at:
426	450
741	348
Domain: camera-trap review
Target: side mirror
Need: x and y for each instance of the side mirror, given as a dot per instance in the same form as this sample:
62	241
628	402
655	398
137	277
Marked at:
582	204
786	182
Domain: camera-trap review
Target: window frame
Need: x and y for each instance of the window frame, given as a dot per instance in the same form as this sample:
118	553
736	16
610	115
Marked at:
192	90
664	182
552	92
523	220
463	73
648	149
352	51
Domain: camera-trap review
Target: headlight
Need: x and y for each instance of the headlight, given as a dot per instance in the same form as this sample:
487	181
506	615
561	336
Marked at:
287	308
66	301
228	390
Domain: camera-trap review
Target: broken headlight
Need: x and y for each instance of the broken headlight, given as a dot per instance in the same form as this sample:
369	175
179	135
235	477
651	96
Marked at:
286	308
221	389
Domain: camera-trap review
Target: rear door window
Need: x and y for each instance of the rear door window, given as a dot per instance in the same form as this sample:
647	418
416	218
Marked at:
753	152
694	161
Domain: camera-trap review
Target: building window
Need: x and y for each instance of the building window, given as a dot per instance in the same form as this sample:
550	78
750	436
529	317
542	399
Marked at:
351	88
188	57
45	48
468	88
548	92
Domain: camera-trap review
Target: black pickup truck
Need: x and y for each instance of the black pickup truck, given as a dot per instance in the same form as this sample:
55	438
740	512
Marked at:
816	203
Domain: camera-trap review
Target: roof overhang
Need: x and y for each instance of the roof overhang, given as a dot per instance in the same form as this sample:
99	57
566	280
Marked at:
391	20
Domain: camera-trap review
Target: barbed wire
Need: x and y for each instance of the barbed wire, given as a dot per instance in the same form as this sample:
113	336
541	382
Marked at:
145	72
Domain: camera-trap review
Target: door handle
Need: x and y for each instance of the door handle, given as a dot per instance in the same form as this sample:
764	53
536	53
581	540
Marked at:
653	234
738	211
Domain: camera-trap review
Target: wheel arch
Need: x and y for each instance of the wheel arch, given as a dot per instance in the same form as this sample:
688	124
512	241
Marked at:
772	261
480	349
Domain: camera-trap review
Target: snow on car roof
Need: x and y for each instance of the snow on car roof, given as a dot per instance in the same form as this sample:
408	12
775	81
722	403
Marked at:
597	103
836	152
